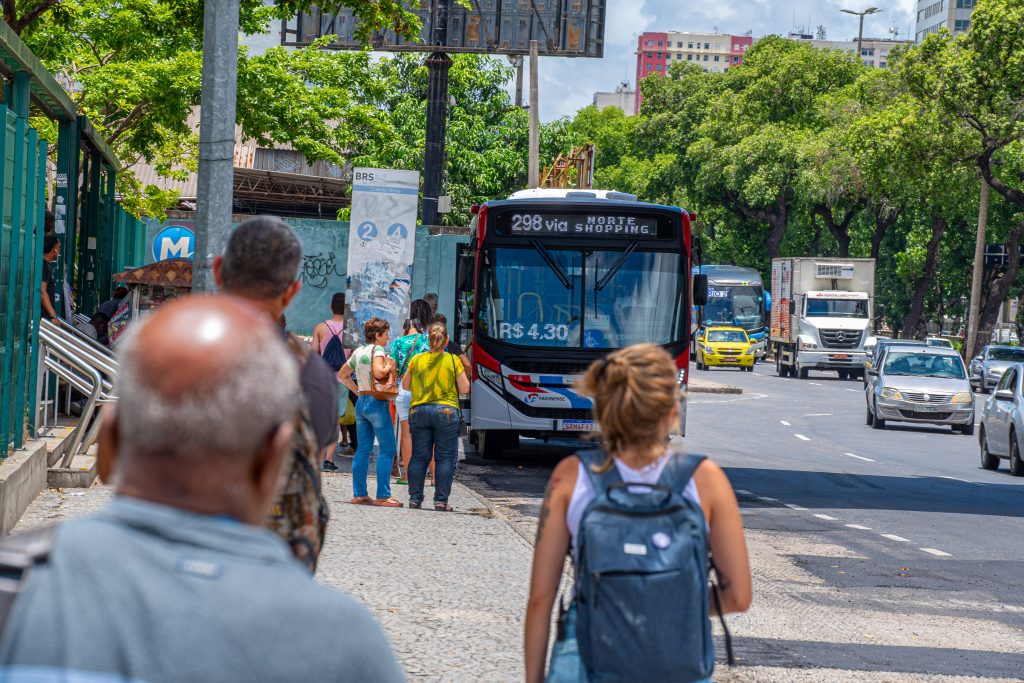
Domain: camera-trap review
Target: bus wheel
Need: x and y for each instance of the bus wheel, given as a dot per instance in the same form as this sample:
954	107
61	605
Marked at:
492	443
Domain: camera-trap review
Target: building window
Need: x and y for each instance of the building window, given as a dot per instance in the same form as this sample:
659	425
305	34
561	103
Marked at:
649	55
735	59
689	45
961	25
679	44
882	65
707	46
660	43
965	4
649	43
705	58
657	67
679	55
649	66
867	52
659	55
689	58
716	58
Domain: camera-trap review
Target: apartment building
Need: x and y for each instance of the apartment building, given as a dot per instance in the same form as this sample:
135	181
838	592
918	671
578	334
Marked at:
933	15
874	51
623	98
657	52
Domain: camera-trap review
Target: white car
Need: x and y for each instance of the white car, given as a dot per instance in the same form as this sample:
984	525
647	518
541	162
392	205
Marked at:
1002	422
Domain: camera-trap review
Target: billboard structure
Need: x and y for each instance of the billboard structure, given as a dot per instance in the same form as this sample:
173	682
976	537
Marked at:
564	28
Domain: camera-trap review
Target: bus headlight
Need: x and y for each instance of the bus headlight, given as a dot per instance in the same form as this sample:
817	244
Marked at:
489	376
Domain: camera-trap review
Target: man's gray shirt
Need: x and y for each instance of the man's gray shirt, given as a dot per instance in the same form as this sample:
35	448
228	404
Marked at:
148	593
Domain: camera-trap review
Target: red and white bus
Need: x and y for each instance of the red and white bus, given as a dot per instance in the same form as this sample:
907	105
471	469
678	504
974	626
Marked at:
551	281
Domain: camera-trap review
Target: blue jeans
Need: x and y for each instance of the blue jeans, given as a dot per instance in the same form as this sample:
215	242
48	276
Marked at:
435	432
373	419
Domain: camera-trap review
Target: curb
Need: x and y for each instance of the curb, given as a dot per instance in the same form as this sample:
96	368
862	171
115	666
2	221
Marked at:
496	512
719	389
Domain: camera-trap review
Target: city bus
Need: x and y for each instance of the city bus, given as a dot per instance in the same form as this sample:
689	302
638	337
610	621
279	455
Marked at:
736	297
553	280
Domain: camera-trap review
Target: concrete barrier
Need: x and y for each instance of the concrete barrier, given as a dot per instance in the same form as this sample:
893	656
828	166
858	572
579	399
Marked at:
22	478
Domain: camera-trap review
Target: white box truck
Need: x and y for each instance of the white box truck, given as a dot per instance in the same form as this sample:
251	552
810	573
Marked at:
821	315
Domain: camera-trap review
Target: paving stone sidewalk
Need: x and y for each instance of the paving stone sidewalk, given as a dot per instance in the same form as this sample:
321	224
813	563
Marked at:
449	588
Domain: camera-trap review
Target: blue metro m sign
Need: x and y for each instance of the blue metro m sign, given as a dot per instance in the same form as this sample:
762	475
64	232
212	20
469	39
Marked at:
174	241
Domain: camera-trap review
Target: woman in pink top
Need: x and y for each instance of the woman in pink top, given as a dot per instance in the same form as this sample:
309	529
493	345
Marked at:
322	334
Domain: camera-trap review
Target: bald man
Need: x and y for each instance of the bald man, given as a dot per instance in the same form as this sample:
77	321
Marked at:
176	580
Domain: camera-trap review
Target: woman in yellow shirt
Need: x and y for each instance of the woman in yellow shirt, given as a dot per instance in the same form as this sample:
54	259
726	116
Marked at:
435	379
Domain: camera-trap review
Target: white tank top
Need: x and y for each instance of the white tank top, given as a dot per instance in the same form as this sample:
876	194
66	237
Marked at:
584	492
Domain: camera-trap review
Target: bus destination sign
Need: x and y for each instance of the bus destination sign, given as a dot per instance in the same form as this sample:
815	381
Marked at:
582	225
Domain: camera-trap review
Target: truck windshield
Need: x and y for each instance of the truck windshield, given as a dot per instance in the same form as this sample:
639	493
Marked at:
739	305
614	298
837	308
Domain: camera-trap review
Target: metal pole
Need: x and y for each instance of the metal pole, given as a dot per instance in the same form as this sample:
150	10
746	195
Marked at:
860	40
519	81
534	179
974	315
216	137
438	64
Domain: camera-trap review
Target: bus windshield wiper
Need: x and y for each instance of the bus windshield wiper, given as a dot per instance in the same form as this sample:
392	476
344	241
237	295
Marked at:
619	262
562	276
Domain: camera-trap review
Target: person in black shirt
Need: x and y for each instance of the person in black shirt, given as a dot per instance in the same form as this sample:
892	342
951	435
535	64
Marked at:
48	294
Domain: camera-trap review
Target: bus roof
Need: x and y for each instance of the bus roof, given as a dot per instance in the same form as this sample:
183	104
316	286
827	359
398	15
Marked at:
562	193
730	274
592	203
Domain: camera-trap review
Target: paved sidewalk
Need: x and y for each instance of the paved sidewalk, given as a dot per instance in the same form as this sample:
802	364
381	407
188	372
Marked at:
449	588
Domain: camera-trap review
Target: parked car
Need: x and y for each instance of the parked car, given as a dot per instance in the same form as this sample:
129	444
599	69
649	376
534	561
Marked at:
879	347
989	365
1002	423
722	346
938	342
921	385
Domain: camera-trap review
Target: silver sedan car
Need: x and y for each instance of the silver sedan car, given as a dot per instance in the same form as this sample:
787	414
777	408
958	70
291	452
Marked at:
922	385
1002	423
989	365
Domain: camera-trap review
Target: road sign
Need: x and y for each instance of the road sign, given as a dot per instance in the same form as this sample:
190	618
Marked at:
565	28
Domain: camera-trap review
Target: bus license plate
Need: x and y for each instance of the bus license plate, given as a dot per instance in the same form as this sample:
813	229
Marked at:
576	425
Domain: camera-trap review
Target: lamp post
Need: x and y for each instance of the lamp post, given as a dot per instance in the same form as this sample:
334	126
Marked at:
860	31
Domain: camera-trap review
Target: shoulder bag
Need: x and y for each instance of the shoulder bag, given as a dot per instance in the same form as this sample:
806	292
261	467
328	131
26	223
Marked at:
386	389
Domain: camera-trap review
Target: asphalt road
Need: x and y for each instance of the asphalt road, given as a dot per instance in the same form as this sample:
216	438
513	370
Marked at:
901	524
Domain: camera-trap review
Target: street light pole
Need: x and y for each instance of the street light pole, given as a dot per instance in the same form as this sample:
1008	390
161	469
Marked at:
860	31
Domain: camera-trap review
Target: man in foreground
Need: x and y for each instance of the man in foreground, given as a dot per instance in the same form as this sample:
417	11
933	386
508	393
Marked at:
261	264
175	580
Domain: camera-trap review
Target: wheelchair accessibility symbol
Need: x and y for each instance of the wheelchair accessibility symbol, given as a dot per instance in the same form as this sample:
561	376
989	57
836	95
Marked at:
367	230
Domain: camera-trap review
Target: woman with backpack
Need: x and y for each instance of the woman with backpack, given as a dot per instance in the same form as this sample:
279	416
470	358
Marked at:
370	372
327	341
640	522
435	379
402	350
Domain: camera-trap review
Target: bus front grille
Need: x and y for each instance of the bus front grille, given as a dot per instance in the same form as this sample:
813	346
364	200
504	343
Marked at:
546	367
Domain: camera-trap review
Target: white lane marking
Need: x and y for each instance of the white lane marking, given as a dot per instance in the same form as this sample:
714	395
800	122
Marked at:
937	553
818	415
767	499
785	424
856	391
742	492
942	476
826	517
858	526
814	384
859	457
791	506
801	437
894	537
751	397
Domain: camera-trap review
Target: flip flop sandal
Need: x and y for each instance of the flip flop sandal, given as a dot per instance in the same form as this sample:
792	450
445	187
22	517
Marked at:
361	500
388	503
401	482
444	508
415	506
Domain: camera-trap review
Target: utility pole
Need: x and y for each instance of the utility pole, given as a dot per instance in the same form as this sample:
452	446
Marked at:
974	315
534	169
438	64
518	63
216	138
860	31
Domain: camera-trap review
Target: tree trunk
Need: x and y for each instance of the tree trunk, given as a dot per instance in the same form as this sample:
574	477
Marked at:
913	322
778	220
884	221
816	241
1000	286
840	230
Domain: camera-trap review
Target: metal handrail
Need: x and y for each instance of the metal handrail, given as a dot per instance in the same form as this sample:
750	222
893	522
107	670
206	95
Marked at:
86	366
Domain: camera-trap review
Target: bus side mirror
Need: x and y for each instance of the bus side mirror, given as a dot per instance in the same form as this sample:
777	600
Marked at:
465	270
700	290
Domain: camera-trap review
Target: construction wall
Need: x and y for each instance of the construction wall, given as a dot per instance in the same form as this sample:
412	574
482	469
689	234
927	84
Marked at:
325	256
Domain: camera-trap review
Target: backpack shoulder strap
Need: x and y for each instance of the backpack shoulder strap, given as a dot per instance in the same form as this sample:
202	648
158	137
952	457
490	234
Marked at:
600	481
679	470
18	554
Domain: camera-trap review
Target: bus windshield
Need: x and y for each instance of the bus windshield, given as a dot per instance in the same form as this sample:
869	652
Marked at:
739	305
573	298
837	308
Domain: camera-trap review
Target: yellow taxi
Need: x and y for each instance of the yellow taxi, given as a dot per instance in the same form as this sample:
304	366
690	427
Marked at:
724	346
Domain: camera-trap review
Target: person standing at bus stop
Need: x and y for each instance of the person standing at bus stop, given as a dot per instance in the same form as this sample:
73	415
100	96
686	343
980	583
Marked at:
51	252
367	369
435	379
402	350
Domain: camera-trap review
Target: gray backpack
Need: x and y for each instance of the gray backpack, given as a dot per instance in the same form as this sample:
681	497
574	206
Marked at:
642	578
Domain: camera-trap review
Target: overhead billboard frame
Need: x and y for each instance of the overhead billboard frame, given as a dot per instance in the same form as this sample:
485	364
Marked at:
563	28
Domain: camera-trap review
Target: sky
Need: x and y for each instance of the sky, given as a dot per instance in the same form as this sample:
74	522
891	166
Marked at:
568	85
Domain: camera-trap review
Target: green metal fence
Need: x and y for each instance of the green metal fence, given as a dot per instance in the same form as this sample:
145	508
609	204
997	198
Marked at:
22	182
